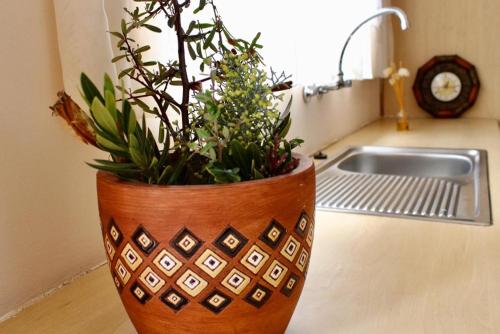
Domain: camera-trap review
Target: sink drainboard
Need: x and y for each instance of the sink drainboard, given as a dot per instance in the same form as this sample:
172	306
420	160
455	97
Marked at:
433	184
389	194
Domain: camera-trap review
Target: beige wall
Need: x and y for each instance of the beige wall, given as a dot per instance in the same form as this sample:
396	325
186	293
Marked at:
468	28
333	116
49	228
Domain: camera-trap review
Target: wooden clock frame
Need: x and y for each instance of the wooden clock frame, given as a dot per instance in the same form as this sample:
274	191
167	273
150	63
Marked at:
464	101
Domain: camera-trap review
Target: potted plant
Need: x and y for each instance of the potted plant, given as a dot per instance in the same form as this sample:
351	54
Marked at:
208	226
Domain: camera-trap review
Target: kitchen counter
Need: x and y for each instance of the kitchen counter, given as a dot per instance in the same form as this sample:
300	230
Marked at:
368	274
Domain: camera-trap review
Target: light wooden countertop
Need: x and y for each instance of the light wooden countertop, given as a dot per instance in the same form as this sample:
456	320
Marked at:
368	274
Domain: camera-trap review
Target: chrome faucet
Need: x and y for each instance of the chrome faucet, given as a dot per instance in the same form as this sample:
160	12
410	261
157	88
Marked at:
313	90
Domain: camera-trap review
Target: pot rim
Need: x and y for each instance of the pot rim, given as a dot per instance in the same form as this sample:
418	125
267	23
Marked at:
305	164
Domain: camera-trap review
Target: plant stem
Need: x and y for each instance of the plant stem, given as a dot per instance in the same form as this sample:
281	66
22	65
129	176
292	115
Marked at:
186	90
148	84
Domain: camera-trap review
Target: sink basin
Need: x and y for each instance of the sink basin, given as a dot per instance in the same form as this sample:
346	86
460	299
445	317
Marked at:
425	183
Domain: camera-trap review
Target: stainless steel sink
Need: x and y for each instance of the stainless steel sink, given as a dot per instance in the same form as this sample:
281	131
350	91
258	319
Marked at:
424	183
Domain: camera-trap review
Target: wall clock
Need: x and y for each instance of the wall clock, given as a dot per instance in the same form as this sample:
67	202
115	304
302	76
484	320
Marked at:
446	86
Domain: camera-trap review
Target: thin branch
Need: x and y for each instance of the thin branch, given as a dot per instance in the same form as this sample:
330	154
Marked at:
186	90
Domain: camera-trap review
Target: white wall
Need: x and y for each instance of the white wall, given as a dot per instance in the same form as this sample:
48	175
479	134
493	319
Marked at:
49	227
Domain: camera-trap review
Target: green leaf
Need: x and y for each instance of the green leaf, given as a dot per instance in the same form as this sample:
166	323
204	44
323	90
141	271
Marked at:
120	169
204	25
192	53
136	153
202	133
109	145
255	40
239	155
152	28
103	117
161	133
202	5
117	34
285	122
90	91
167	172
108	84
143	49
111	104
209	39
118	58
131	119
124	26
223	176
125	72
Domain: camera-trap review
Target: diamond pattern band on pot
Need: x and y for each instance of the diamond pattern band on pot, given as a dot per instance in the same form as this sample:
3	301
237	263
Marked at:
213	273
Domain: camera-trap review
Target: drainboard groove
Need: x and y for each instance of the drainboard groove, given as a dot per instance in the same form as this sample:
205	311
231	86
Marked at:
331	191
326	182
330	187
445	203
371	194
393	195
423	195
379	205
339	189
348	191
360	192
437	199
430	197
416	194
395	200
452	212
374	199
406	197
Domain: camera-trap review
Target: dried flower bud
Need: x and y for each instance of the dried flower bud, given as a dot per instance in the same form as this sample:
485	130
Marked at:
404	72
82	124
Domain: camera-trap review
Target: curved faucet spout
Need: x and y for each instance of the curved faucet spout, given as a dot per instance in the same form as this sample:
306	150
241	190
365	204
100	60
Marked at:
311	91
405	25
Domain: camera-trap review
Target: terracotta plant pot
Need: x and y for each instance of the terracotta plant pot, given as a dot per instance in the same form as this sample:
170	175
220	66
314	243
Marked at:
210	259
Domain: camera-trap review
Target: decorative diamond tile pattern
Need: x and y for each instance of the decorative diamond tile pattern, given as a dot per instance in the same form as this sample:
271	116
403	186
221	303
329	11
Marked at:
144	241
140	293
167	263
302	223
191	283
114	232
290	249
122	272
211	263
174	299
275	273
273	234
186	243
109	248
255	259
236	281
302	260
131	257
151	280
231	242
310	235
216	301
290	285
178	273
258	296
118	283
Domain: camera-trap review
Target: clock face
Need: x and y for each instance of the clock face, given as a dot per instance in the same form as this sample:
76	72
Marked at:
446	86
